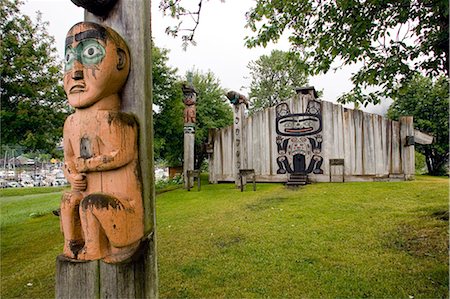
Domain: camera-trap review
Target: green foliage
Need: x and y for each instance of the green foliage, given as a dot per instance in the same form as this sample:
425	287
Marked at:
428	102
213	110
420	163
274	78
33	105
168	119
390	39
165	185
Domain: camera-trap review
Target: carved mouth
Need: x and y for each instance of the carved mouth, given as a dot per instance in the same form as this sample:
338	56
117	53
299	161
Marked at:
77	88
302	130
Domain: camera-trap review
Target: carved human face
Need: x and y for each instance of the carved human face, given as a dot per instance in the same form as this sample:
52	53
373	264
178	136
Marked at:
95	67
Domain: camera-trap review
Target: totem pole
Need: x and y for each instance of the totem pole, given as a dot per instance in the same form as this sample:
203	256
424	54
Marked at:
190	99
239	102
107	218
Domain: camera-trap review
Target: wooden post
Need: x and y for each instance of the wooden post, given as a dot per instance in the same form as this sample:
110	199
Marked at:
240	141
136	278
240	102
190	99
407	149
188	154
210	151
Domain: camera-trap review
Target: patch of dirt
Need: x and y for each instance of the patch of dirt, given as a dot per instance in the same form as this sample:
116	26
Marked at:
265	203
430	241
441	215
224	243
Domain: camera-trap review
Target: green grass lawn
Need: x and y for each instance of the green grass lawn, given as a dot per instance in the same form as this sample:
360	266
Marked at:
352	240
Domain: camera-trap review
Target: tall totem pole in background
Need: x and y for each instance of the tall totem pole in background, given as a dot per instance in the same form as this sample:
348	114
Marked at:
108	216
240	103
190	99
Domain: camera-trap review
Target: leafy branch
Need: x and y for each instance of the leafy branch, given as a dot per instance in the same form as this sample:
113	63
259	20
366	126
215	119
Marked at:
174	9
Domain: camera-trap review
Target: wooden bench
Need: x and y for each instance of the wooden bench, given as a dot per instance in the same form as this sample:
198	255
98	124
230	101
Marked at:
244	173
337	162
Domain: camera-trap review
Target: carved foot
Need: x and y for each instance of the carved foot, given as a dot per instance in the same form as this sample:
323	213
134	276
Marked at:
121	254
75	246
84	255
72	248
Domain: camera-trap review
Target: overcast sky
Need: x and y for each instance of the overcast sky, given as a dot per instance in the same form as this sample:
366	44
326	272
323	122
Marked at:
220	43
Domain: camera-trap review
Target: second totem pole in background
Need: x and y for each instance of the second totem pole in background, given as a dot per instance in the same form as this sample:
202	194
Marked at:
190	98
239	102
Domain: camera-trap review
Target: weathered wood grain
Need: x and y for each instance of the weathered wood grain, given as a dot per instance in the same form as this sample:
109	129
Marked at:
408	163
265	142
328	144
359	142
273	143
378	144
386	144
422	138
368	145
76	279
349	141
396	156
249	142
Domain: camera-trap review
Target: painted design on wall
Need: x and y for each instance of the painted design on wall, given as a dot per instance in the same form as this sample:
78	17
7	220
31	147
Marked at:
299	142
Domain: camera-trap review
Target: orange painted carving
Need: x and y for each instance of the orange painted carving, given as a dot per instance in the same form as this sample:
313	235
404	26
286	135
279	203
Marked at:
190	99
102	215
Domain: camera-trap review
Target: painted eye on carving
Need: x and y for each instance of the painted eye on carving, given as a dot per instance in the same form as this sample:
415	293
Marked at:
288	123
92	52
69	58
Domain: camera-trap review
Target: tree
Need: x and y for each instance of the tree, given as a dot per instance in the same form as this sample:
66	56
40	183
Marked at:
213	110
427	101
274	78
168	117
391	39
33	105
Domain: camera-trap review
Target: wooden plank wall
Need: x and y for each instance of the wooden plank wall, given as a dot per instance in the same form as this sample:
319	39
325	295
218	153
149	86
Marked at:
373	147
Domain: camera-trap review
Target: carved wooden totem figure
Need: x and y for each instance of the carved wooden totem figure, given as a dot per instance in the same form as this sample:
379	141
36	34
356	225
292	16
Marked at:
102	214
190	99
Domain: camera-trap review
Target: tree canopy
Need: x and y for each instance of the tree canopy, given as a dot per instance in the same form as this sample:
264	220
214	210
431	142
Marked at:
427	101
33	105
274	78
392	40
168	116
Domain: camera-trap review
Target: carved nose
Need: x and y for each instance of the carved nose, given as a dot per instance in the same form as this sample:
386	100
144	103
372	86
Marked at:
77	75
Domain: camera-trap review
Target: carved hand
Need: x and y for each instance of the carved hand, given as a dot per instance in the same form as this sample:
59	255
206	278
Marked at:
79	182
81	165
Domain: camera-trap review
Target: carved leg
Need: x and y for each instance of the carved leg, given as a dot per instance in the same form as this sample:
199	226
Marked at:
112	228
71	224
281	169
96	244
